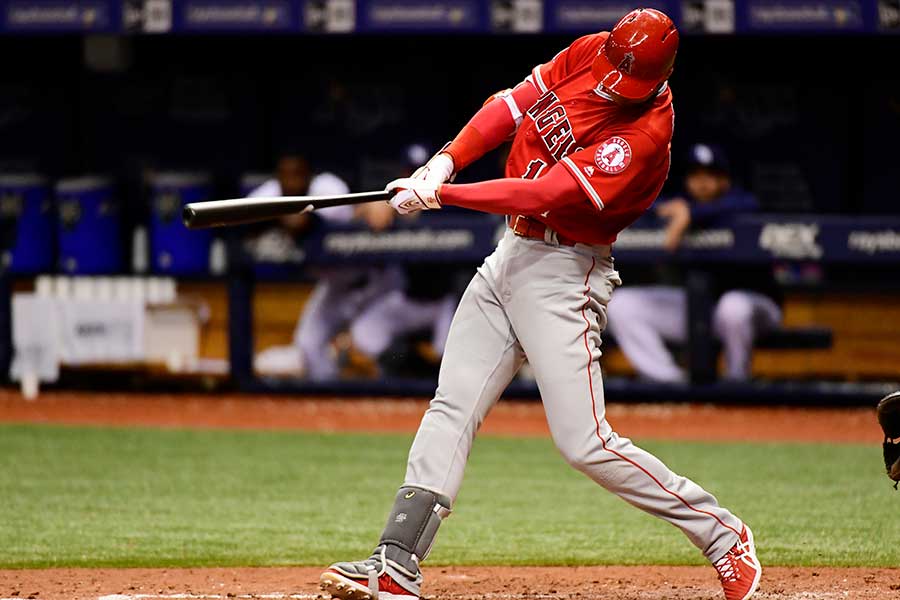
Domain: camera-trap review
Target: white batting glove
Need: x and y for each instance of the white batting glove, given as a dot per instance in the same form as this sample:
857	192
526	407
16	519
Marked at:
411	195
439	169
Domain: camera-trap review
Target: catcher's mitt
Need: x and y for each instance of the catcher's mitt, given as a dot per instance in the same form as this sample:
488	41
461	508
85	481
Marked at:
889	418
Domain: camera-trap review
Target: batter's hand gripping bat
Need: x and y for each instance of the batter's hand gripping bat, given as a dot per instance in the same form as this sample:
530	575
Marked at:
220	213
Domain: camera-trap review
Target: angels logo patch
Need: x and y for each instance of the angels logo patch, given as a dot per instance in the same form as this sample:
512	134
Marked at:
626	63
613	156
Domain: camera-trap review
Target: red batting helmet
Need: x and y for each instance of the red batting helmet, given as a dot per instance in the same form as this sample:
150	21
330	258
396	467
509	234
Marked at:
638	55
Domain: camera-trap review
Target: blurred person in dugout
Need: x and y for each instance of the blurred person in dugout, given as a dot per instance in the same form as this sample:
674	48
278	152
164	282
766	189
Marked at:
403	331
643	318
355	315
340	293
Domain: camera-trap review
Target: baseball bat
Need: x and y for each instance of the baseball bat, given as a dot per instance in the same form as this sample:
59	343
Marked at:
221	213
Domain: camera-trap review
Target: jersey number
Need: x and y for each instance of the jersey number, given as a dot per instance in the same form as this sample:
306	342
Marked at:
534	169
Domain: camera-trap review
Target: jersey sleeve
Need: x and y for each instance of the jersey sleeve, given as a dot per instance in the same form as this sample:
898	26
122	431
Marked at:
624	167
581	52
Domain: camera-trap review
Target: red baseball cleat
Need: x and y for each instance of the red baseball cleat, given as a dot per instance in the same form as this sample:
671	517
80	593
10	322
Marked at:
739	570
375	578
345	587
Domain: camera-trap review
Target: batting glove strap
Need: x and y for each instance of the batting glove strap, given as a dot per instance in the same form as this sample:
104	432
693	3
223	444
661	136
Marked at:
411	195
439	169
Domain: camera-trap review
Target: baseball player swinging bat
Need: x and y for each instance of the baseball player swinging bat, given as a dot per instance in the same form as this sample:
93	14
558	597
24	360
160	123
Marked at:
220	213
591	131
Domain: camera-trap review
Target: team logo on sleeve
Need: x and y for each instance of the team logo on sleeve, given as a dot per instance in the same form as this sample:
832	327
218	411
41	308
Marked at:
613	156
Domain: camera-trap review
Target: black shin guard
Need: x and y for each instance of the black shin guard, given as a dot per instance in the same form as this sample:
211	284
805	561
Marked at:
412	526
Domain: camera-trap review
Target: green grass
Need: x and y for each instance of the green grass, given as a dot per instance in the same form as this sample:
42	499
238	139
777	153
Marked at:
139	497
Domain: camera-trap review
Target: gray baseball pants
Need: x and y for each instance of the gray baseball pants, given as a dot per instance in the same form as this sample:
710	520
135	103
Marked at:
549	302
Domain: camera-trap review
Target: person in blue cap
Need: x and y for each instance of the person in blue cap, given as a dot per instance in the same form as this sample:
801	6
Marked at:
709	195
644	318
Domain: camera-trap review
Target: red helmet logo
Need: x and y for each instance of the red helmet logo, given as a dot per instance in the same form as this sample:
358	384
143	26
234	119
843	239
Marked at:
627	61
638	55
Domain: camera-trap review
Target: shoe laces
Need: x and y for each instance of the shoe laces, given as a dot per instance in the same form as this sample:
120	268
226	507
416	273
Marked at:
727	566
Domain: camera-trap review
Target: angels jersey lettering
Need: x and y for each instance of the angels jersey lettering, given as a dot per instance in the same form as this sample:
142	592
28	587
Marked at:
619	155
553	125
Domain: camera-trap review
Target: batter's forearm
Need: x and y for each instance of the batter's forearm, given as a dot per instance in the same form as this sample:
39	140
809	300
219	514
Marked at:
491	125
516	196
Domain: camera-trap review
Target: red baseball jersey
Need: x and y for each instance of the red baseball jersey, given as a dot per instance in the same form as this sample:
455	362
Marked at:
618	154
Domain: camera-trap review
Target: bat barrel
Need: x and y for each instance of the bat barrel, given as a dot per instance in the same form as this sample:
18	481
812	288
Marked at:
218	213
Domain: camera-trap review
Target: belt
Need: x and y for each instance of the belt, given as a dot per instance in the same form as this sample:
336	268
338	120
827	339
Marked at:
533	229
528	227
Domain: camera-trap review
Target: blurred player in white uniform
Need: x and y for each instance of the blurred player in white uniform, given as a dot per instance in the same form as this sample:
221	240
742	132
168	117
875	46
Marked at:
409	309
644	318
340	294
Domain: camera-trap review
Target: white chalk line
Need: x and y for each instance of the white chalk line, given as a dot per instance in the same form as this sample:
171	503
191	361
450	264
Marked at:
272	596
771	595
486	596
803	595
283	596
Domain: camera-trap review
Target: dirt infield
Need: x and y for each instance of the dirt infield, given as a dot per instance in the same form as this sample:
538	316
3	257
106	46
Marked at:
660	421
695	422
456	583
